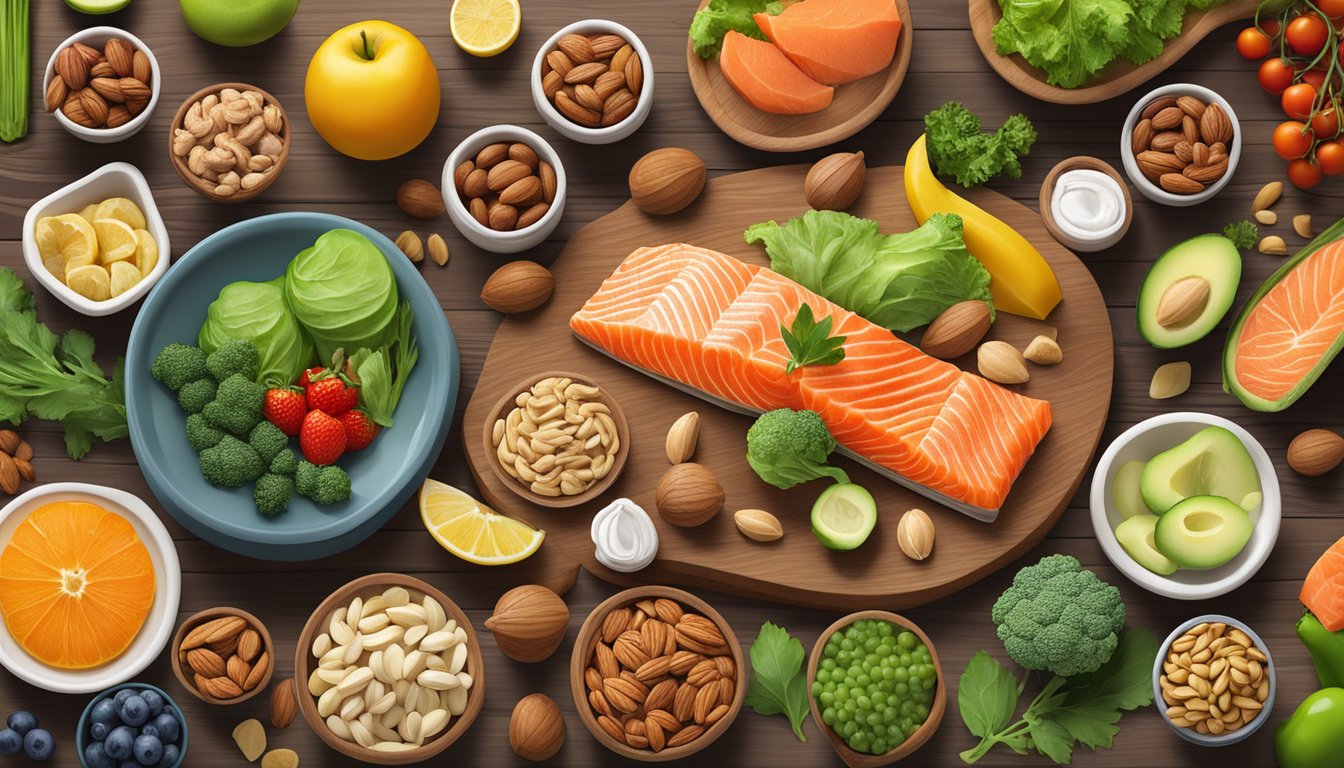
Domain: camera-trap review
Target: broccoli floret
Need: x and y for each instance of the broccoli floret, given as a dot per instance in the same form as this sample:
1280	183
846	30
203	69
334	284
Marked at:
234	357
788	447
178	365
230	463
272	494
237	405
1060	617
285	463
305	478
268	440
200	434
324	485
194	396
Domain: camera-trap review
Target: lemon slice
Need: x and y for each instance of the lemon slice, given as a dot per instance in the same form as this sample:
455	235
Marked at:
88	212
473	531
121	209
124	277
116	239
485	27
146	251
90	281
65	240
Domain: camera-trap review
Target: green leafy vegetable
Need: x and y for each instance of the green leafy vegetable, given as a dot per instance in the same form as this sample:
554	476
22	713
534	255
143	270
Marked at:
1059	616
257	312
787	447
55	377
14	69
1082	709
722	16
1243	234
382	373
777	680
899	281
958	148
342	290
810	342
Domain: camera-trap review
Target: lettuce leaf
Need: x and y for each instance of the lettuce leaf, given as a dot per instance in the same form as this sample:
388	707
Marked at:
899	281
723	16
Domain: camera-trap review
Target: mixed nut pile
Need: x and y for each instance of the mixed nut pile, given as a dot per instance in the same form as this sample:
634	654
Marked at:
100	89
507	186
559	439
1181	144
593	80
225	657
1214	679
232	139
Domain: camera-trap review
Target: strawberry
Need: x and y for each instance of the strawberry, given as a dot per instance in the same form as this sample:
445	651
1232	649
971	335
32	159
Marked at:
332	394
307	376
285	408
322	438
359	429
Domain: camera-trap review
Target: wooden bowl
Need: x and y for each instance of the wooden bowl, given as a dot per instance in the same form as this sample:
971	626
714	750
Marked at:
207	188
859	759
209	614
506	404
304	664
586	642
1084	163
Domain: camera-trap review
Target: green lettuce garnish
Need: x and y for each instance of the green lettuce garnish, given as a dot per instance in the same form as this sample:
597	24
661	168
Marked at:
723	16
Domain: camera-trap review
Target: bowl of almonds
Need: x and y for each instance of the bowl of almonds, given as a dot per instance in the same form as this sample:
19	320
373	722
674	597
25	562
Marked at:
657	674
1180	144
1214	681
229	141
504	188
223	655
102	84
593	82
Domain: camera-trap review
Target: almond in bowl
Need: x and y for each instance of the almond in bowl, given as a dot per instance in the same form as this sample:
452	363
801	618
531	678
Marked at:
102	84
1181	144
593	82
223	655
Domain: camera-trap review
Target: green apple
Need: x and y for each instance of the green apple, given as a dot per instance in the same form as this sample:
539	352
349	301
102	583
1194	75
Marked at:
97	7
237	23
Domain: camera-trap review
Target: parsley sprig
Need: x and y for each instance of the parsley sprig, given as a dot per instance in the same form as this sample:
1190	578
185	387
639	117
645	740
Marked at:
810	342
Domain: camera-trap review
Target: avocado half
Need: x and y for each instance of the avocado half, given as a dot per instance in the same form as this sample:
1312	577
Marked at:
1213	258
1212	462
1203	532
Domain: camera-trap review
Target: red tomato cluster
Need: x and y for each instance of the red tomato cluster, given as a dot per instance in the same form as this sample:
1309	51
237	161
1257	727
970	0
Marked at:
1304	66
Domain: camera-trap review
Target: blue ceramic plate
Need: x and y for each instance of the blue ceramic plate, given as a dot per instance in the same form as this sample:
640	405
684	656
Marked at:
383	476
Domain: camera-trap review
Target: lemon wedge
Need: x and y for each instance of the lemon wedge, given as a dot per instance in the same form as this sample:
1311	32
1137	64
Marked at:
90	281
124	276
88	212
473	531
116	239
485	27
122	209
65	240
146	251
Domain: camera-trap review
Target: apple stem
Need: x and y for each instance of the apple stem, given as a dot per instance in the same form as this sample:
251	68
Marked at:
367	53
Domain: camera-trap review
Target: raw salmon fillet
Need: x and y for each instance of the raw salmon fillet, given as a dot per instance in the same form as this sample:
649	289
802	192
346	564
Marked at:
1323	589
836	41
709	321
767	80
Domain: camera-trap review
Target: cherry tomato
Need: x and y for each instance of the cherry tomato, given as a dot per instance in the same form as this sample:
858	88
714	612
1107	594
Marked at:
1330	157
1303	173
1252	44
1292	140
1325	123
1275	76
1297	100
1306	34
1331	8
1315	78
1270	27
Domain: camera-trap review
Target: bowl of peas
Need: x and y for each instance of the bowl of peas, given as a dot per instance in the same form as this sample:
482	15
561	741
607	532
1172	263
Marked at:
876	688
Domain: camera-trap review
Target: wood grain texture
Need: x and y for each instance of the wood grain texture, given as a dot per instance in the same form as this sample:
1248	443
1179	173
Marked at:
1118	77
479	92
854	106
795	569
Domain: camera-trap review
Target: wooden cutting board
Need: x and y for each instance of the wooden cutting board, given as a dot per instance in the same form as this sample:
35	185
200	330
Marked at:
795	569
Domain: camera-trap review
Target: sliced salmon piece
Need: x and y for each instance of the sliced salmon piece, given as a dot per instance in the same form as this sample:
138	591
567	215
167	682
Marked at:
1323	589
836	41
768	80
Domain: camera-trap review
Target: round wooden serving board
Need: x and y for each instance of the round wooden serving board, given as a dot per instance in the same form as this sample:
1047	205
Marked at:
855	104
795	569
1120	76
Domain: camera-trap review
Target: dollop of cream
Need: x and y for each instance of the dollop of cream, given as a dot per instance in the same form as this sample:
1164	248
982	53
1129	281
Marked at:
625	536
1088	205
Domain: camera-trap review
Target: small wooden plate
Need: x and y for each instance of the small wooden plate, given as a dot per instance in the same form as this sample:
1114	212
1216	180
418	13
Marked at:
586	642
210	614
206	188
507	404
855	104
304	663
1120	76
1085	163
925	732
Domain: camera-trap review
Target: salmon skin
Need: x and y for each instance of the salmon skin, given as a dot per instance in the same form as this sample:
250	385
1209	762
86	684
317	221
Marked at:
710	325
1323	589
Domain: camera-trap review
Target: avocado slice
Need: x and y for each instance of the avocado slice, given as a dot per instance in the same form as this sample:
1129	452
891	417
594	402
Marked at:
1136	536
1203	532
1127	490
1211	258
843	516
1212	462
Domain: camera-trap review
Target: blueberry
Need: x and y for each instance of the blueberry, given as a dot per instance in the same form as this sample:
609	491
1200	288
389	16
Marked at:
128	764
105	712
22	722
95	757
134	711
149	729
38	745
122	696
154	700
171	754
99	731
11	743
148	750
119	742
168	728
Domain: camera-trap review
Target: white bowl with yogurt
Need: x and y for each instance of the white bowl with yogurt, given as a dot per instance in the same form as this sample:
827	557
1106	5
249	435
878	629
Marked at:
1085	204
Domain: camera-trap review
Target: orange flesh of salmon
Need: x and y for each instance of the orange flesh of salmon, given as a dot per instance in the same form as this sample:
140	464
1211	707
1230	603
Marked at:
836	41
925	419
1323	589
1293	326
767	80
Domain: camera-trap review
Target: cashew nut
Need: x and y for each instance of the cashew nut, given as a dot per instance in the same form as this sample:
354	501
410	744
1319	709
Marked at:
196	160
182	142
250	133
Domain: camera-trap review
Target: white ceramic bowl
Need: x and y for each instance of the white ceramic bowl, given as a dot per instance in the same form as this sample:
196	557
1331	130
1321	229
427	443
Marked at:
571	129
112	180
162	618
481	235
1152	191
1145	440
1224	739
97	37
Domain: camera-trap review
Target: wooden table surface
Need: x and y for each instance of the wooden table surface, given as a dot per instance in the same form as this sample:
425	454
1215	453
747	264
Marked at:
479	92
